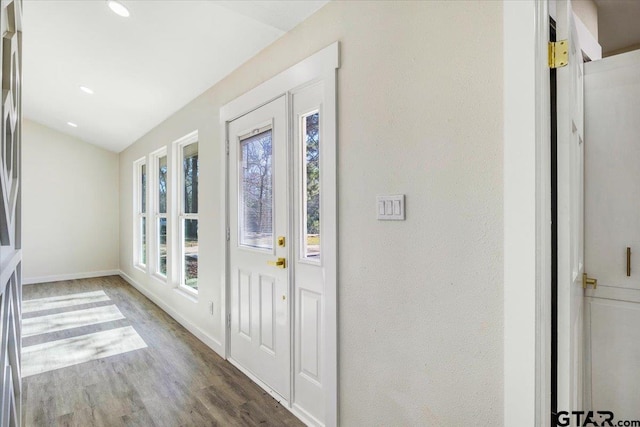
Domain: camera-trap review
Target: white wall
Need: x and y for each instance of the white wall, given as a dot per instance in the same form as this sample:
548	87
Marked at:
587	11
70	203
420	113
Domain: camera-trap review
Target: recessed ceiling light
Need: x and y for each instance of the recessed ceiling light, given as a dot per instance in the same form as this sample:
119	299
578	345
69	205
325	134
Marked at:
73	125
118	8
86	90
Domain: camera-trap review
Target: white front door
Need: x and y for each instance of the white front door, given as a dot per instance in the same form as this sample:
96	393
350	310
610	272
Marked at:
570	181
281	247
612	233
258	253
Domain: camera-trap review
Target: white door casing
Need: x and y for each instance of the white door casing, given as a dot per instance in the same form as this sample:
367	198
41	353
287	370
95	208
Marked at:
570	164
527	213
612	203
310	297
258	201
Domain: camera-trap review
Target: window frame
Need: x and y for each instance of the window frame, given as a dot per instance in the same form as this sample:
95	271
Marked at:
139	214
179	146
157	215
261	128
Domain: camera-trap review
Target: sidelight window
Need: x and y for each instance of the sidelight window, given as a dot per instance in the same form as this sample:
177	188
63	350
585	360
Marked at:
310	139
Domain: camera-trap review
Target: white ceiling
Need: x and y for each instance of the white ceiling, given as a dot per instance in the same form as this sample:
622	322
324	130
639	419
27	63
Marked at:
618	24
142	68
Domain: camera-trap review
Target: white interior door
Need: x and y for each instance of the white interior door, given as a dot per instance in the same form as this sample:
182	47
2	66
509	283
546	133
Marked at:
612	224
258	219
570	158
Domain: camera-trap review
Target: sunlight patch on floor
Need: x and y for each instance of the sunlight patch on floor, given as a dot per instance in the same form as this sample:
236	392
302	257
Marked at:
69	319
41	304
52	355
65	352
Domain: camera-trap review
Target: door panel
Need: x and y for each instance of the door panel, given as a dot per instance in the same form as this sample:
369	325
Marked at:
570	158
259	297
310	310
612	200
613	156
244	303
612	347
267	312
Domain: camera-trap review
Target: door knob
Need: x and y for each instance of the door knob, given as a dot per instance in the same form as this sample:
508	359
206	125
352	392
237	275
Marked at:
280	263
586	281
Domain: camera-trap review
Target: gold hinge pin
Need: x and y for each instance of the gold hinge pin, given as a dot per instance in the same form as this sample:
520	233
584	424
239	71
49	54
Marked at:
588	281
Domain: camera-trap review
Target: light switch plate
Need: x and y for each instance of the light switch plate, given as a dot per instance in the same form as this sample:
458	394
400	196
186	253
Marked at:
390	208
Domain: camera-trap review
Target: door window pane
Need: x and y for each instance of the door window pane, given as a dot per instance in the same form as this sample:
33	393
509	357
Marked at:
191	173
162	184
311	179
162	246
256	192
191	253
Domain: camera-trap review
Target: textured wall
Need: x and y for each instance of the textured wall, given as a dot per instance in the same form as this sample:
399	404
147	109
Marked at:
70	203
420	113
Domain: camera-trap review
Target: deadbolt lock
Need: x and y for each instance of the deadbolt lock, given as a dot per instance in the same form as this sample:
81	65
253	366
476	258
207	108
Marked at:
281	241
588	281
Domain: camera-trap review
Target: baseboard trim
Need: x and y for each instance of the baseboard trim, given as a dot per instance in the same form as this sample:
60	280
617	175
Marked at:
74	276
210	341
304	416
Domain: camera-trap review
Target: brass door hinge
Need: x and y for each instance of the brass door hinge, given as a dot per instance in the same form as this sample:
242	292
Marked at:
558	53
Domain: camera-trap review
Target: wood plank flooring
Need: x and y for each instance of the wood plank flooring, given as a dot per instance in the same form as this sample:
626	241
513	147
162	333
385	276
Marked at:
175	381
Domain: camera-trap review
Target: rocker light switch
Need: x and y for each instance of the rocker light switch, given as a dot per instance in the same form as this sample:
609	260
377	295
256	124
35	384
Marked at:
390	208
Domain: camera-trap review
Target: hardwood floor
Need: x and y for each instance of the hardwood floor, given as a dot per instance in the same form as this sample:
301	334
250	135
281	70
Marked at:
175	381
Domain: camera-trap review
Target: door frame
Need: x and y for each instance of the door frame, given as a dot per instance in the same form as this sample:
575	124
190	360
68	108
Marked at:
527	213
322	66
527	209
